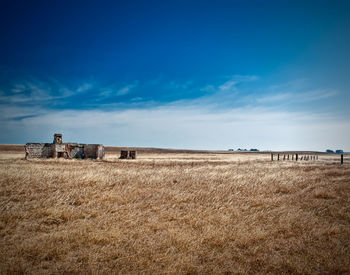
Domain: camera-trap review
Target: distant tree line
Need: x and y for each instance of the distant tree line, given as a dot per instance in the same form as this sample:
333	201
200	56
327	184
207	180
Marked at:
245	150
336	151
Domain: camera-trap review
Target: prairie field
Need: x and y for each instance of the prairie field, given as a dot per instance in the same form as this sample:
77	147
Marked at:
174	213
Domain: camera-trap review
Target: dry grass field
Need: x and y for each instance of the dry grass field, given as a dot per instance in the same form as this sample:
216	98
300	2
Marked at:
174	213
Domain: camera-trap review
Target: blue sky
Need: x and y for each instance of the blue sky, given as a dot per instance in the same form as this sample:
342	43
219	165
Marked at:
272	75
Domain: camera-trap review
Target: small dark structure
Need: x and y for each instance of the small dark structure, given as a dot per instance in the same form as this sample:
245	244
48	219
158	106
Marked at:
124	154
132	154
58	149
127	154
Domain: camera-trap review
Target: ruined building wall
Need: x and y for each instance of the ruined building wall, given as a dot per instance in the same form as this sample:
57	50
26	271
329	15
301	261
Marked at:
39	150
94	151
65	150
58	149
100	152
76	151
90	150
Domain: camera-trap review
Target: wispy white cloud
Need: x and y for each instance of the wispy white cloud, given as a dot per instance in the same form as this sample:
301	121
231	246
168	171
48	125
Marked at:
28	92
228	86
135	99
318	94
206	122
34	91
223	93
84	87
196	127
111	91
296	97
242	78
125	90
19	88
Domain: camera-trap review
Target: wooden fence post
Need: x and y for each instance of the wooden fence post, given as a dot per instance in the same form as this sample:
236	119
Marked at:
284	157
271	157
292	156
296	157
341	159
278	156
288	156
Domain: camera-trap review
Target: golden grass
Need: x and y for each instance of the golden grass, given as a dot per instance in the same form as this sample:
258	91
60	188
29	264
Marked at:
174	213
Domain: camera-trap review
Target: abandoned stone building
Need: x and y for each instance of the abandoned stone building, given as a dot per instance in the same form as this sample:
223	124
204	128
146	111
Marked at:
58	149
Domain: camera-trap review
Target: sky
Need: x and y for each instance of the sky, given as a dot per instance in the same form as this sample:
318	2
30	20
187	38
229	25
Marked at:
271	75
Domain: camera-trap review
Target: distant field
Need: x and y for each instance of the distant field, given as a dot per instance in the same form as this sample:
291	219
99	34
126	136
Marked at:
17	148
174	211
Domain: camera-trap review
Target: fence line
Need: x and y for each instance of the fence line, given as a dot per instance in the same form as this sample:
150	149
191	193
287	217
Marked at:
303	157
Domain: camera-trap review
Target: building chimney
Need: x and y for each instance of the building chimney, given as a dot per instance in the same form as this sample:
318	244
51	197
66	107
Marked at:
57	139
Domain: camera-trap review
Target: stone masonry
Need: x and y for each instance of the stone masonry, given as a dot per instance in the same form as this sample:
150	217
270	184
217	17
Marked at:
58	149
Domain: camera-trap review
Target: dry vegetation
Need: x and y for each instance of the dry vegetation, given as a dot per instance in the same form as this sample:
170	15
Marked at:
174	213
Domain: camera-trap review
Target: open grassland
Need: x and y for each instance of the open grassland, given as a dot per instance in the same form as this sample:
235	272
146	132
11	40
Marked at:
175	213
